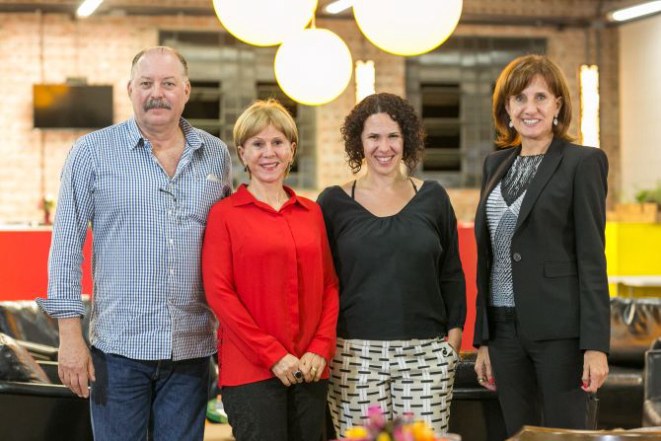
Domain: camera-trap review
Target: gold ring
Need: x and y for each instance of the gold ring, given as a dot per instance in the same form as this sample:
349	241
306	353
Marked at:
481	380
313	369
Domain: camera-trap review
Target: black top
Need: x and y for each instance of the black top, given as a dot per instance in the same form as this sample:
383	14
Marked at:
400	276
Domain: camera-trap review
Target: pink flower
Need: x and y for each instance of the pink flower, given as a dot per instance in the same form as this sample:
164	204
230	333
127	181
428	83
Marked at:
400	433
375	417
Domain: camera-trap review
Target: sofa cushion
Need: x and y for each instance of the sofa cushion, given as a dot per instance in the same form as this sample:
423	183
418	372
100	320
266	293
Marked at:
16	363
635	325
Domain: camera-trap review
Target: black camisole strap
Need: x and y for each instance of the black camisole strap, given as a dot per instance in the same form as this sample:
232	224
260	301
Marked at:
415	189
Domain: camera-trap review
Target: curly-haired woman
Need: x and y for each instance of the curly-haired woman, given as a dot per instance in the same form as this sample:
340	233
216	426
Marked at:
402	289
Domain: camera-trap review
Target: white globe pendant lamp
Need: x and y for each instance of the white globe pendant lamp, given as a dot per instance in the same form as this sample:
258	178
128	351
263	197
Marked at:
409	27
264	22
313	67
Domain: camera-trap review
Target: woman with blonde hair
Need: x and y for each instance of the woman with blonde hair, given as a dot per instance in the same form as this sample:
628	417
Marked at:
269	278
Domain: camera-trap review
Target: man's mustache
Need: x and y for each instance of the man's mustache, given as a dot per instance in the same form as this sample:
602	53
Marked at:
157	104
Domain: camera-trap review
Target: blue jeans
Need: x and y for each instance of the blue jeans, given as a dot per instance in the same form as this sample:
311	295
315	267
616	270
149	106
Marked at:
156	400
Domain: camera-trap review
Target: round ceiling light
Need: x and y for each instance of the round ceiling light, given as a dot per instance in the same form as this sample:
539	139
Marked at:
313	67
410	27
264	22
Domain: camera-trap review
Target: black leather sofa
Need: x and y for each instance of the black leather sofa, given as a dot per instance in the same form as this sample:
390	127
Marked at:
635	325
652	403
33	403
475	412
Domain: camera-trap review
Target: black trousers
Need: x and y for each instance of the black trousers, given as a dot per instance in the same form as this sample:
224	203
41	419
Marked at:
539	382
268	410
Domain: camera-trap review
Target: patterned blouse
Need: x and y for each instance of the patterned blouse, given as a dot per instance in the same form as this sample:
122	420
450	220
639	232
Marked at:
503	207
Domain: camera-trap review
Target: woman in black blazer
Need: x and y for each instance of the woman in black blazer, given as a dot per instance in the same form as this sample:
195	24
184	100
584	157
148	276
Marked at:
542	316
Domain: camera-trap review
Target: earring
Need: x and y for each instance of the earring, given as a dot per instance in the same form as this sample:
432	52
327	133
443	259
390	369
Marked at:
555	120
511	124
245	168
289	167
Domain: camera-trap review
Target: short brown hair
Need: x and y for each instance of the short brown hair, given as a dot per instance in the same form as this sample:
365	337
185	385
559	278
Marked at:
516	77
173	51
400	111
259	116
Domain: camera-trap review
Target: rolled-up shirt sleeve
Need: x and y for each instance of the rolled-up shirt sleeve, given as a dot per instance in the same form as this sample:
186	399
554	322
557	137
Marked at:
75	210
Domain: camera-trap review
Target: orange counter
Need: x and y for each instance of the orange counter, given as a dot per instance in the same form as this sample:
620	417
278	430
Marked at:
24	267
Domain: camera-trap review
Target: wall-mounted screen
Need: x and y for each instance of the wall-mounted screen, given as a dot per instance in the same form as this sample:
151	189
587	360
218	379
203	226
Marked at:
63	106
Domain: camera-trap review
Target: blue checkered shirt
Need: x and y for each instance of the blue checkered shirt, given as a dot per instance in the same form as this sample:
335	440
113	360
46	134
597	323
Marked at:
148	301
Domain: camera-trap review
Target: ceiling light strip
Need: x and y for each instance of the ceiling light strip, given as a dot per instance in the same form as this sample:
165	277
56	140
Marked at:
88	7
636	11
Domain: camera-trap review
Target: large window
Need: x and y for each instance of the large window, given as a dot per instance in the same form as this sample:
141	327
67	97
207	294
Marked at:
440	115
226	77
203	107
452	88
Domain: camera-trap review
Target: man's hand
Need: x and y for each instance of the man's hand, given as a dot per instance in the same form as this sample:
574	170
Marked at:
285	368
312	366
74	365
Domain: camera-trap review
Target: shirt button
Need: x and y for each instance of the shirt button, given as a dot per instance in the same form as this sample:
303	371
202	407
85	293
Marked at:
516	257
171	241
169	212
172	272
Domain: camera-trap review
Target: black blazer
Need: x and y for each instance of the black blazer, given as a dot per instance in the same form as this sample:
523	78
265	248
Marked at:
558	261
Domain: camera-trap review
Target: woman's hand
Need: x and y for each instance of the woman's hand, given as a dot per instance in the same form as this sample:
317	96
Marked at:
483	369
285	368
312	366
595	370
454	339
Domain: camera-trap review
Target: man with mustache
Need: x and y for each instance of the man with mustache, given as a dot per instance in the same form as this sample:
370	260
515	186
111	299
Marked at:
146	186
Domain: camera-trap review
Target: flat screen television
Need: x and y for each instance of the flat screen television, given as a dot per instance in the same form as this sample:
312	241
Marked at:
64	106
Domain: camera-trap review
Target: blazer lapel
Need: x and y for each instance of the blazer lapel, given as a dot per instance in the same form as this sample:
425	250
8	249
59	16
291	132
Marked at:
501	169
544	172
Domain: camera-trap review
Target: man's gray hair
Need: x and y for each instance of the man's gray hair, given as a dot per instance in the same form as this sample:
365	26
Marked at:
173	51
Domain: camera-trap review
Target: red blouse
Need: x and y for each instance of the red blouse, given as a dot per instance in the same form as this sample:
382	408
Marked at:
269	278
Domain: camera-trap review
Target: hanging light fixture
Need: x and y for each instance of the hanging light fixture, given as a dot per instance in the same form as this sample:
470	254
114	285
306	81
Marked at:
264	22
410	27
313	67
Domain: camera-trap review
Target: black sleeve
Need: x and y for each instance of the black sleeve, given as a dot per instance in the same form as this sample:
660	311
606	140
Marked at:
326	202
480	306
451	273
590	188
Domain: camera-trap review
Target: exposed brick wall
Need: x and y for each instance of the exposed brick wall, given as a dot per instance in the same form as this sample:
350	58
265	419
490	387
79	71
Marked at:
36	48
99	49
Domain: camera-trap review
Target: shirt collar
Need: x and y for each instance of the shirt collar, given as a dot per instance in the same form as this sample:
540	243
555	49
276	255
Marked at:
135	138
243	197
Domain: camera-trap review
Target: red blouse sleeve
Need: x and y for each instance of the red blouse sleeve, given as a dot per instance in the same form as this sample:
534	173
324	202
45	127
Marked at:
323	343
220	290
